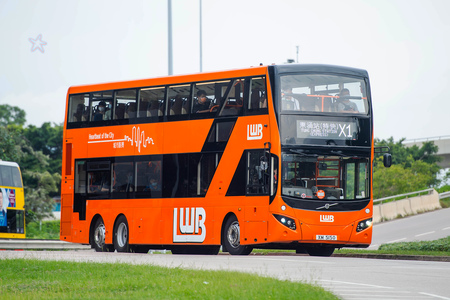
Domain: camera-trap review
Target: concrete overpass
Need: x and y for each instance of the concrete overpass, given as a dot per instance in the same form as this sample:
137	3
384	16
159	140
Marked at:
443	142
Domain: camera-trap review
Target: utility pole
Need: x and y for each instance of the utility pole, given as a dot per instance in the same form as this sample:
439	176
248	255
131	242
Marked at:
169	8
201	39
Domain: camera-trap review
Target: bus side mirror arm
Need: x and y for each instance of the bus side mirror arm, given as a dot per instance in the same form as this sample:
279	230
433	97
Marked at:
387	157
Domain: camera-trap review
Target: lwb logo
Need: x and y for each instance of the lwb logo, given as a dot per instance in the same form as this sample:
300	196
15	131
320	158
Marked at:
254	131
327	218
189	224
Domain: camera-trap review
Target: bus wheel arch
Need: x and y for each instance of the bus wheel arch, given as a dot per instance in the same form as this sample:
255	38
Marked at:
97	235
121	234
231	237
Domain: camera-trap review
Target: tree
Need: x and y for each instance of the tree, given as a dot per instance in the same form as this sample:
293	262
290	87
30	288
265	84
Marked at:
11	115
48	139
39	160
39	203
414	168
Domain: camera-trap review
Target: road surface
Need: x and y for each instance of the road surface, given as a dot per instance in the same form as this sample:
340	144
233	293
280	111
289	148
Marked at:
349	278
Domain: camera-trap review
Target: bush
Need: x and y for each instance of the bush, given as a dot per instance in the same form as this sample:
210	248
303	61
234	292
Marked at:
49	230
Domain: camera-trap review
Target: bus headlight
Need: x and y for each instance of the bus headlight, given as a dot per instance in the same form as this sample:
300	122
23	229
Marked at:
364	225
288	222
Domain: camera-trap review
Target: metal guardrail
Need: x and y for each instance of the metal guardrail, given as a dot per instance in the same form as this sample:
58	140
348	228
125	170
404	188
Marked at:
444	195
405	196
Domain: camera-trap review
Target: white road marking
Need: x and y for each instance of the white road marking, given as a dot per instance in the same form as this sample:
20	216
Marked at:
446	228
435	296
394	241
417	235
359	284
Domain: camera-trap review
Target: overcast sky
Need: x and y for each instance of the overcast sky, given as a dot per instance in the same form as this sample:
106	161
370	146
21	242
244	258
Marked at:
403	44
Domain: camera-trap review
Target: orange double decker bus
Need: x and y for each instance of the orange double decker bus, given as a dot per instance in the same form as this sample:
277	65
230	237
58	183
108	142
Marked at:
273	156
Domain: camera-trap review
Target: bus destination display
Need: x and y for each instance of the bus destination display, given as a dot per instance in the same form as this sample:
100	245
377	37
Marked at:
326	130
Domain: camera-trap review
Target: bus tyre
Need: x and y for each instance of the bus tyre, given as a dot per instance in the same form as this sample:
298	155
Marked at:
98	237
232	236
121	235
320	251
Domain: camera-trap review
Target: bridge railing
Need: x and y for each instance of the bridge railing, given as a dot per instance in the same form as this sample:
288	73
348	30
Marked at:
428	139
405	196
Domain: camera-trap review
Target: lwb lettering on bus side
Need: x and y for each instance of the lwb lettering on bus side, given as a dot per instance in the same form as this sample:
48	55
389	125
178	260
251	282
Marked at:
190	224
254	131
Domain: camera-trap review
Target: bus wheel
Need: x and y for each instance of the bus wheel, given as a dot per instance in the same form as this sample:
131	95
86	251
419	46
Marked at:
98	237
320	251
121	235
232	236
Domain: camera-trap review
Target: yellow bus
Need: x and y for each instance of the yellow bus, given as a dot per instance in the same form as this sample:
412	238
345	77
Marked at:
12	201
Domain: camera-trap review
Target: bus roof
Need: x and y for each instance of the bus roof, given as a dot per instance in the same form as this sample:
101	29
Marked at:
319	68
8	163
252	71
164	80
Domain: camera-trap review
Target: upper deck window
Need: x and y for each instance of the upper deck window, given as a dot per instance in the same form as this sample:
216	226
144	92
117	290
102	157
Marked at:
125	104
323	93
152	102
78	108
184	101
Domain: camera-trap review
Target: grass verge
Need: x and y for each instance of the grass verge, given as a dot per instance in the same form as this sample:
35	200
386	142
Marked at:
26	279
440	247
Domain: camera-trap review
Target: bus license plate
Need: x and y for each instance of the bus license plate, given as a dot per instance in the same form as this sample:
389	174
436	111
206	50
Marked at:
326	237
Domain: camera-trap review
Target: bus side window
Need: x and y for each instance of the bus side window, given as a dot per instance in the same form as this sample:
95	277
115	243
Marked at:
149	180
99	177
178	100
235	99
16	179
80	177
78	111
125	104
258	96
257	172
207	96
123	179
201	172
101	105
153	100
6	176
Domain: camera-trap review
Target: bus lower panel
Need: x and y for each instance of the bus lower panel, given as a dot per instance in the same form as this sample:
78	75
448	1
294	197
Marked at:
297	245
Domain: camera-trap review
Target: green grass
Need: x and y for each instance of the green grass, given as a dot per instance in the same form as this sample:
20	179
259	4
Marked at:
34	279
445	203
49	230
440	247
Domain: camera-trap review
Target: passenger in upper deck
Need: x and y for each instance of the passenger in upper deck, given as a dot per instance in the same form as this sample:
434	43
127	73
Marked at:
287	99
202	103
102	112
344	103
